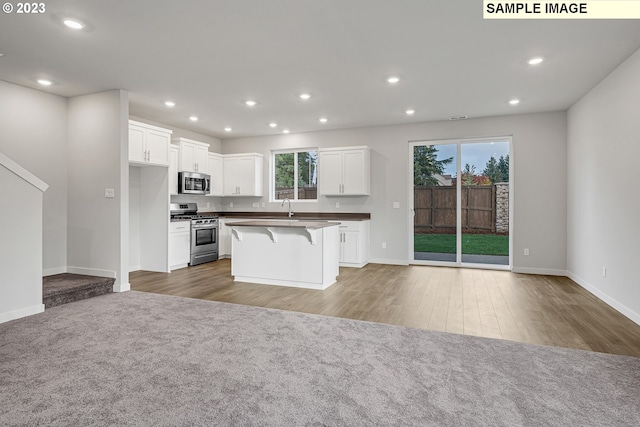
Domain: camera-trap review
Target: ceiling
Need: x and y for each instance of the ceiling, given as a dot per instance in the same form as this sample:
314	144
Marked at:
209	56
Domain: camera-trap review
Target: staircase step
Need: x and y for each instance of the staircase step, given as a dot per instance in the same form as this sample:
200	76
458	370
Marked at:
64	288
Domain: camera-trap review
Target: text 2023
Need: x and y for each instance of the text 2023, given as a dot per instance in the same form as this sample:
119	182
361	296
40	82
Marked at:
30	8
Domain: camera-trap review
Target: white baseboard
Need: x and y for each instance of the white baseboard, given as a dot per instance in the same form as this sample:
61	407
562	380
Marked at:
626	311
122	287
352	265
135	268
92	272
541	271
389	261
23	312
52	271
177	267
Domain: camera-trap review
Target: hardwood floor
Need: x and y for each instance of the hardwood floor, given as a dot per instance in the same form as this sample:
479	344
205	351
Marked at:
488	303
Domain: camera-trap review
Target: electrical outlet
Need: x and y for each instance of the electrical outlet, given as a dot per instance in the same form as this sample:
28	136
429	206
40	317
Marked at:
396	205
526	251
384	245
230	204
604	271
109	193
337	204
208	204
263	204
255	205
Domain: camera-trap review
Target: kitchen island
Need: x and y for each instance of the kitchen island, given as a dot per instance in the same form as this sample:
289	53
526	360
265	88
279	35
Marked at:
302	254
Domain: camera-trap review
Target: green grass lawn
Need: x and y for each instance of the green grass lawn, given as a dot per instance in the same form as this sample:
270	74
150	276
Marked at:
472	244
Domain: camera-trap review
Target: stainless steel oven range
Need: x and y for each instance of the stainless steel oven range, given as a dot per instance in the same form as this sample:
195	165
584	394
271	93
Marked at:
204	232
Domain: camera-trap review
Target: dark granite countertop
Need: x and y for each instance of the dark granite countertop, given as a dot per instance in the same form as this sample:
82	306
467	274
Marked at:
300	216
311	225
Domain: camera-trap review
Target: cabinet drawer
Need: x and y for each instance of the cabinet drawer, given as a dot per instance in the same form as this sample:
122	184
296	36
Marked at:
180	227
350	225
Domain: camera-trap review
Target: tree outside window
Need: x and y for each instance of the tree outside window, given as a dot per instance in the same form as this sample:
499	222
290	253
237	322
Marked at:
296	175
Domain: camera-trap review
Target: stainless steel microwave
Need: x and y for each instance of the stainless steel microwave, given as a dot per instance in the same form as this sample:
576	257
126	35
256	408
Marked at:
193	183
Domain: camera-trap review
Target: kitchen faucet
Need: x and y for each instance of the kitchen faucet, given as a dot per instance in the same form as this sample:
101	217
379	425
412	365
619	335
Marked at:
290	211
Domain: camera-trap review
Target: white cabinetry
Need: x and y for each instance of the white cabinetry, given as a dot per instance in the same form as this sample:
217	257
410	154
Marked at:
179	244
148	144
354	243
174	159
215	168
243	174
224	239
224	236
193	155
344	171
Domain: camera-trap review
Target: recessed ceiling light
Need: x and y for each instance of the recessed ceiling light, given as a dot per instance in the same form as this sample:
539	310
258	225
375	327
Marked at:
45	82
305	96
228	129
323	120
410	112
193	118
393	79
170	103
514	101
74	24
250	103
535	61
285	130
273	124
1	54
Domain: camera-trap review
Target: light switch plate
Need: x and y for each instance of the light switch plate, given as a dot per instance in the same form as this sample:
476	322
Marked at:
396	205
109	193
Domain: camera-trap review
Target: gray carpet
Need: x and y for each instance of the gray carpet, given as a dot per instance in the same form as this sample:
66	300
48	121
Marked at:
66	287
151	360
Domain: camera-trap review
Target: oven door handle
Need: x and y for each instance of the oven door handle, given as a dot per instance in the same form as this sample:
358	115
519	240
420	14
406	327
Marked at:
204	227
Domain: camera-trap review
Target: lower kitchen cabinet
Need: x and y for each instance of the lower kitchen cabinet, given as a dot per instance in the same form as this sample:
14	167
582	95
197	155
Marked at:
354	243
224	236
179	244
224	239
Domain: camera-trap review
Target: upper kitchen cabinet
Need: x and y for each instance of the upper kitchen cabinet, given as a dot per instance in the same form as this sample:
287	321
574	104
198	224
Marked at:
243	174
215	166
344	171
193	155
148	145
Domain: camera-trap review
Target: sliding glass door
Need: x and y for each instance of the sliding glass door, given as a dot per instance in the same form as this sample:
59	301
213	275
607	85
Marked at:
435	202
461	202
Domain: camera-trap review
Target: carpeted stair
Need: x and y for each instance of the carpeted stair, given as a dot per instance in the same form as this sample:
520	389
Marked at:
64	288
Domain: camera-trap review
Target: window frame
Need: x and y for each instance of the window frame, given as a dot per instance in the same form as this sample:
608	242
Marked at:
272	174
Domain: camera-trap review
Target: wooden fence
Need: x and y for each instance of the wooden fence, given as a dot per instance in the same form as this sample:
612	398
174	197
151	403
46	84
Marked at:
435	209
303	193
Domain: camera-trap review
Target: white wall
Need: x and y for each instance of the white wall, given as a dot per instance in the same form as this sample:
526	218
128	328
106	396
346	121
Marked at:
134	218
33	132
21	248
539	161
603	177
98	227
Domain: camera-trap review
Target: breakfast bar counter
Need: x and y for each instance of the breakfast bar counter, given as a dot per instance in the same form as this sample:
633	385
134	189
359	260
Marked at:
303	254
